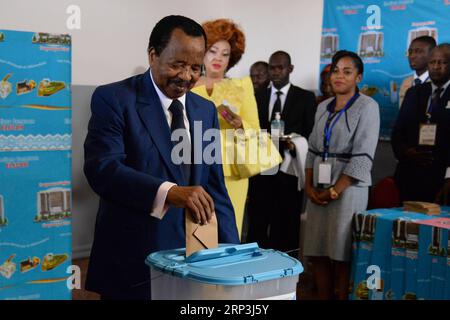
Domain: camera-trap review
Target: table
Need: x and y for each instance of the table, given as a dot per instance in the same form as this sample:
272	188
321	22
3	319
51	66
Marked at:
407	251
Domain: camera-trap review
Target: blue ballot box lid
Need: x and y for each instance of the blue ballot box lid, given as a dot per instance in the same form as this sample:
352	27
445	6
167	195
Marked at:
227	264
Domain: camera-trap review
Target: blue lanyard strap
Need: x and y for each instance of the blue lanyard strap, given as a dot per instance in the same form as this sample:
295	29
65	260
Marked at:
329	125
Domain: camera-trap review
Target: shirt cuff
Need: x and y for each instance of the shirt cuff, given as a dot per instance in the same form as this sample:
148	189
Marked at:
159	204
447	174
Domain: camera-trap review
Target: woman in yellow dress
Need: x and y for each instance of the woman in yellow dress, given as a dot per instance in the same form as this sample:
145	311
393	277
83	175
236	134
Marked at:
234	98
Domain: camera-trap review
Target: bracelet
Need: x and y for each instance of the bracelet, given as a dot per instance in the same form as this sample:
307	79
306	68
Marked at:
333	193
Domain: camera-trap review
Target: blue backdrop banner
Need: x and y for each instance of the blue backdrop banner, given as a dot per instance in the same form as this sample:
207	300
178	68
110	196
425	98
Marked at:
380	32
35	165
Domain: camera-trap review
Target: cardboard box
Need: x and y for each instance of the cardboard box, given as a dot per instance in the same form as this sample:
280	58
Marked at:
404	255
411	258
356	240
365	233
362	250
447	281
382	253
391	239
433	256
439	266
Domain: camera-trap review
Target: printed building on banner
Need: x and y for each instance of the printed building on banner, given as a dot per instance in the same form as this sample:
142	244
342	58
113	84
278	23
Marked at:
380	37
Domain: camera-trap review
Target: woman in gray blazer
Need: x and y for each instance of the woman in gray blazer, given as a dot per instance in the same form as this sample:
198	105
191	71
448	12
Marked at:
339	160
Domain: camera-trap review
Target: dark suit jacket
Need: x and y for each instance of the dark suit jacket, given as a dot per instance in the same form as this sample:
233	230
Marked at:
406	135
274	199
127	158
298	111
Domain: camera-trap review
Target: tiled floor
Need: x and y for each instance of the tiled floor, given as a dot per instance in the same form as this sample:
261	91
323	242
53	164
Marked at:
304	291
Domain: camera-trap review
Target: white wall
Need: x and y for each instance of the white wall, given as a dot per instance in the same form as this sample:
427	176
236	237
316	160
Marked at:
112	41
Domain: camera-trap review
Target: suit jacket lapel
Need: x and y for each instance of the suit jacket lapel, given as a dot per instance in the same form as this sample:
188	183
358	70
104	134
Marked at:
194	114
445	98
287	103
265	109
425	93
152	115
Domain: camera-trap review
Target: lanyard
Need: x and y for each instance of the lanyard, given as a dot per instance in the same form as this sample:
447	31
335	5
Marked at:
428	113
329	125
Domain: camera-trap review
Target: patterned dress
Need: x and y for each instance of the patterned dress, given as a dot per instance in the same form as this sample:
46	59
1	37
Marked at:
352	147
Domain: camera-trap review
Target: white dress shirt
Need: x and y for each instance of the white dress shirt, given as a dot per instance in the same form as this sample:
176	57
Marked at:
160	206
424	77
273	97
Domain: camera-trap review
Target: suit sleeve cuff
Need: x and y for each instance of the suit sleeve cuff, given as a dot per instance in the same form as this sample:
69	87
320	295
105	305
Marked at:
159	204
447	174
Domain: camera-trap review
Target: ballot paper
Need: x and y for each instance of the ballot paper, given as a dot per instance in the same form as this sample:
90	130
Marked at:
199	237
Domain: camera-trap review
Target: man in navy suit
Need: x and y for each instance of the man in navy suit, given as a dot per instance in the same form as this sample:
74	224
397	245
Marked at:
421	135
129	162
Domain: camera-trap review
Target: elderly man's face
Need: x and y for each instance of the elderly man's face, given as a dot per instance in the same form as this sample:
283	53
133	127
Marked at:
178	67
438	66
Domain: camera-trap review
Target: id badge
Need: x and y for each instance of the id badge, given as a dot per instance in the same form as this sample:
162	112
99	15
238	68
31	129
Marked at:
324	173
427	134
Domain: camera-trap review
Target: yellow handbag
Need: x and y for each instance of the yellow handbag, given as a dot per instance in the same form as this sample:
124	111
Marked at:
255	153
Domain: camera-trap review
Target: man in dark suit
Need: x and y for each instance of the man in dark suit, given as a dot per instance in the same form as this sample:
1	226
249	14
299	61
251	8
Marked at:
275	203
259	73
421	135
130	163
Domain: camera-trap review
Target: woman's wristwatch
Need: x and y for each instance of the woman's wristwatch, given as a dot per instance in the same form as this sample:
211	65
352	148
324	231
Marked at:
333	193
